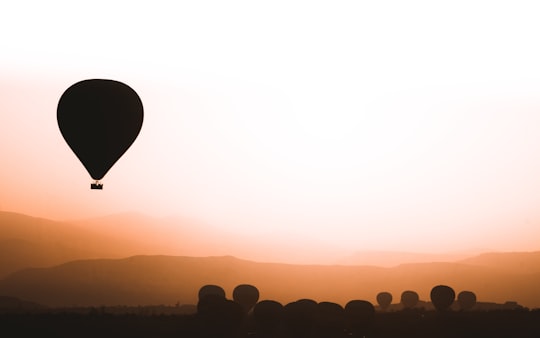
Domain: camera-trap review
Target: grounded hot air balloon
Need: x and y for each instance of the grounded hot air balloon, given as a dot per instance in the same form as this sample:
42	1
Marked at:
299	316
246	295
409	299
99	119
384	299
268	315
359	316
330	319
466	300
442	297
211	290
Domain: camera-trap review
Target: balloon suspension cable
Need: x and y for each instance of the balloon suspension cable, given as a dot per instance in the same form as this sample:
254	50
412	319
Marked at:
96	185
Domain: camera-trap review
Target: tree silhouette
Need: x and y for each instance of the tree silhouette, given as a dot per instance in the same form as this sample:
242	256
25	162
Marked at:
442	297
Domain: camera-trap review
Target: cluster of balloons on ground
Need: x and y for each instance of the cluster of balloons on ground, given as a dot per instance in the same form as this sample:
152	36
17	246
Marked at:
442	297
216	313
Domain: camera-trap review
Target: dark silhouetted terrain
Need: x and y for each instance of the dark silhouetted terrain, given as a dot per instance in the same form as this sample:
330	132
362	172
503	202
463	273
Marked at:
12	304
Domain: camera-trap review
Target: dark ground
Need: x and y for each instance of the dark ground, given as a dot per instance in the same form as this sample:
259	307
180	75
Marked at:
516	324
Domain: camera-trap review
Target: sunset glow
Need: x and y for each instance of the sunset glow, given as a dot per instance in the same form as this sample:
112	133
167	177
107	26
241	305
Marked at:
397	125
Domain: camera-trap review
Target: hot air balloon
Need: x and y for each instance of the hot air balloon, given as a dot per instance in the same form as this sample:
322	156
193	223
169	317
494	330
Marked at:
211	290
99	119
384	299
442	297
299	317
466	300
409	299
330	319
246	295
268	315
359	315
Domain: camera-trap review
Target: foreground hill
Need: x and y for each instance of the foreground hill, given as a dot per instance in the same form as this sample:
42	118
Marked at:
167	280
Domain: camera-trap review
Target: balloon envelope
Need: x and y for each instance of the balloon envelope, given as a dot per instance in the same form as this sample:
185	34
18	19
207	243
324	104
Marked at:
384	299
409	299
211	290
99	119
466	300
360	308
246	295
359	315
268	313
442	297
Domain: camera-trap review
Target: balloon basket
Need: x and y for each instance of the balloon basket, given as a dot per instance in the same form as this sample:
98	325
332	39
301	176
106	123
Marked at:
98	186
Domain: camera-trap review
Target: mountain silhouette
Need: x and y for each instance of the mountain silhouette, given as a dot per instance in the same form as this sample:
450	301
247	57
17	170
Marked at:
31	242
27	241
394	258
513	262
94	248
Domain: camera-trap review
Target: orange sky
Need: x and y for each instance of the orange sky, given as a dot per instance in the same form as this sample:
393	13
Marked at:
387	126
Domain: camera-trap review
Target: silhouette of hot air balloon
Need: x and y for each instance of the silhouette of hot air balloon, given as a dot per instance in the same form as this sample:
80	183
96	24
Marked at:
99	119
359	315
211	290
409	299
268	315
442	297
218	316
384	299
466	300
246	295
330	320
299	317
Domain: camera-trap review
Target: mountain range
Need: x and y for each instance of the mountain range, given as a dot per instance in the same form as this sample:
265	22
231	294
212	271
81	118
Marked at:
83	263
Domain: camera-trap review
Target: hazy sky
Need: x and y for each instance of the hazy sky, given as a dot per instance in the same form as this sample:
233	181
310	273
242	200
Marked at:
406	125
